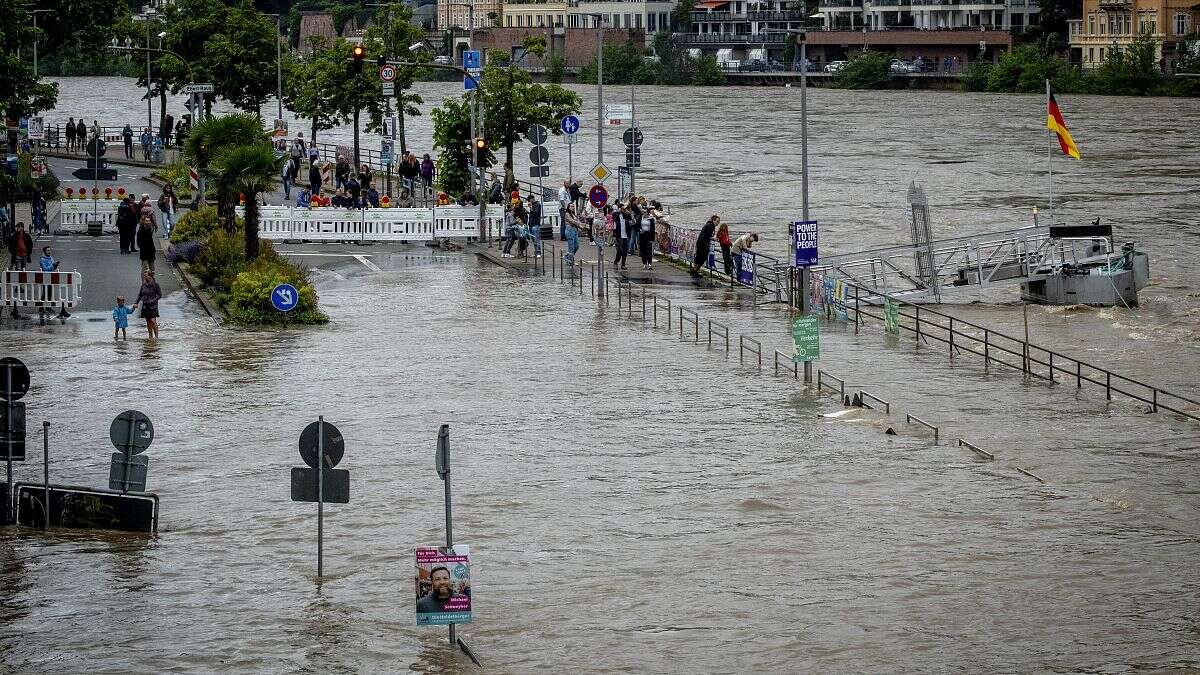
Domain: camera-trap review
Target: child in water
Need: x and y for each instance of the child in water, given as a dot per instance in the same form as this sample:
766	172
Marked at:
120	318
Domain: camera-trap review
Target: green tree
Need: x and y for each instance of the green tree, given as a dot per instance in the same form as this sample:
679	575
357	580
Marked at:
392	31
241	58
208	139
1026	69
1189	55
21	94
556	67
1131	71
313	89
246	170
868	70
706	72
623	64
1051	28
189	25
452	137
512	101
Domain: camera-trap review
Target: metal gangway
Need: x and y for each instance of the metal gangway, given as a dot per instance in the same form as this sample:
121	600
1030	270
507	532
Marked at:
923	274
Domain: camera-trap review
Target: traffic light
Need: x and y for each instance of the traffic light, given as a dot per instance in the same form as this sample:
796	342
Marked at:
381	61
357	55
481	144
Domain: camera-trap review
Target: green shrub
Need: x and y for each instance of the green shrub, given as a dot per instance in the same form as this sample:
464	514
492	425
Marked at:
221	257
556	68
175	175
249	299
868	70
197	224
976	76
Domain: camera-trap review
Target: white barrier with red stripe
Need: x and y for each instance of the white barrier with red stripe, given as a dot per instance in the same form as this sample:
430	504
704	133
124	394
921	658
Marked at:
379	225
74	214
41	289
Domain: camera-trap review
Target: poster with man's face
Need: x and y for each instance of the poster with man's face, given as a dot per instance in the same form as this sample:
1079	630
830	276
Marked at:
443	585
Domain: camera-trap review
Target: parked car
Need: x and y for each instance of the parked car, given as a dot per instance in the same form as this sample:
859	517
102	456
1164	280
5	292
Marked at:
835	66
443	60
774	65
752	66
899	67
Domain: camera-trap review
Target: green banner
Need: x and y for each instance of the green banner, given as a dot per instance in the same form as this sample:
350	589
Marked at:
891	316
807	335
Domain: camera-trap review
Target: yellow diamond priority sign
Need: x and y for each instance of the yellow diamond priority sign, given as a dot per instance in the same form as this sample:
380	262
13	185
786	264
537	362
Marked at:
600	172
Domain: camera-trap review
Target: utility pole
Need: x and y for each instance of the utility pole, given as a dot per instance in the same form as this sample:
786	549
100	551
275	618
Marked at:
600	134
804	275
35	12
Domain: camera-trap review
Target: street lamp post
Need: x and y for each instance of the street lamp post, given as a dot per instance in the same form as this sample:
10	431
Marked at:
599	131
278	60
35	12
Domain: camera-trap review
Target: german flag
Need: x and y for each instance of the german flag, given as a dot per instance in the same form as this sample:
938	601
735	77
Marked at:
1055	123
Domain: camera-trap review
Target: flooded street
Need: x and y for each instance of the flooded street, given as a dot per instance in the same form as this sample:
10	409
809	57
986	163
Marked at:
635	502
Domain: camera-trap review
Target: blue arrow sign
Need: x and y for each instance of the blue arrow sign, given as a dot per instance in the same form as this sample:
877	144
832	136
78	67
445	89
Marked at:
569	124
285	297
471	61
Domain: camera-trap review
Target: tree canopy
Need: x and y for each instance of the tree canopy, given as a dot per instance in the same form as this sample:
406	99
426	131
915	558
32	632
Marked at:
21	94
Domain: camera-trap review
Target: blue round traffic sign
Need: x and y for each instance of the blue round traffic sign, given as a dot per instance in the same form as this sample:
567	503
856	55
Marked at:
285	297
569	124
598	196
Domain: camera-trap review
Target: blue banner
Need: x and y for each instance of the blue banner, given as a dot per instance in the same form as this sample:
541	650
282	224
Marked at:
803	235
744	262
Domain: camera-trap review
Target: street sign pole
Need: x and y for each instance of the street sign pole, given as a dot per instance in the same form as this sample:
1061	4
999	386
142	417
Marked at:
804	275
46	471
600	140
443	469
8	440
632	122
320	493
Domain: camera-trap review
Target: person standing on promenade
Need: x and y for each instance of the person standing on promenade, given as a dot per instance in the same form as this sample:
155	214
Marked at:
622	229
564	200
297	148
168	203
70	132
126	222
703	242
535	223
427	170
287	176
572	233
80	134
646	239
146	139
127	136
148	296
20	247
144	209
145	241
725	242
314	179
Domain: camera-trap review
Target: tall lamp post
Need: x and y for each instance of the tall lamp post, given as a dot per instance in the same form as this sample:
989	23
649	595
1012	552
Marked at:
148	16
278	60
801	38
35	12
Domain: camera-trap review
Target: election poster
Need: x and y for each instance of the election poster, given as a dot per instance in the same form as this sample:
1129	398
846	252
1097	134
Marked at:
443	585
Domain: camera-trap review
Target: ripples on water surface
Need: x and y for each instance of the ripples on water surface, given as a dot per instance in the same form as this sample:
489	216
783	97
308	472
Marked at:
633	503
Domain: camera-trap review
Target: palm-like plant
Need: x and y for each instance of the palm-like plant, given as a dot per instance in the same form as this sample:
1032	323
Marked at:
249	170
210	138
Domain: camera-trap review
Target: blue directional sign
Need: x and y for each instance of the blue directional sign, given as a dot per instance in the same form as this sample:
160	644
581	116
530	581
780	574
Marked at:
472	64
569	124
285	297
804	242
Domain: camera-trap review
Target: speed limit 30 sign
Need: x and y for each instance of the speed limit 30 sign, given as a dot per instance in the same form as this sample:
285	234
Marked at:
387	73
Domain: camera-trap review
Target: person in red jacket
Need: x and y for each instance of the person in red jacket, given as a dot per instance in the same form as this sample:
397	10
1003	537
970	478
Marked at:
726	243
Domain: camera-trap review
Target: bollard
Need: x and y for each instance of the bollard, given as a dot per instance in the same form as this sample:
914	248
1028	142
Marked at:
952	338
1051	367
917	336
986	348
643	305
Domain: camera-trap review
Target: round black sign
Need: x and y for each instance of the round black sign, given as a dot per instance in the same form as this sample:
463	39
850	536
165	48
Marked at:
96	147
632	137
536	134
538	156
131	432
14	378
335	445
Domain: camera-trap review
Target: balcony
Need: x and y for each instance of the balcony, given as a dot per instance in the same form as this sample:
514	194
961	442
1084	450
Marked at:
1116	4
840	4
730	38
700	17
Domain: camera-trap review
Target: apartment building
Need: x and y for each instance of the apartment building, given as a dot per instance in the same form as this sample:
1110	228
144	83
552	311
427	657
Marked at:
468	15
1111	25
929	14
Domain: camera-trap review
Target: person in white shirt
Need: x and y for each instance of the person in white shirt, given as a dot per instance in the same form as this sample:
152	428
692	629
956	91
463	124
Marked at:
564	200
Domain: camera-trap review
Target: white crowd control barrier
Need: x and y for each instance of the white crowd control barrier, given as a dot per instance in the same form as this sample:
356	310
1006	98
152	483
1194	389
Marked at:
378	225
74	214
60	290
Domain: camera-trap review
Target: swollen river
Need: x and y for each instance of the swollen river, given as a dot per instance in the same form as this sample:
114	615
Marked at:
640	503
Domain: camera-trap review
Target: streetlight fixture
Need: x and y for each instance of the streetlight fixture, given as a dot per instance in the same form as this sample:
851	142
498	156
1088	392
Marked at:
35	12
278	60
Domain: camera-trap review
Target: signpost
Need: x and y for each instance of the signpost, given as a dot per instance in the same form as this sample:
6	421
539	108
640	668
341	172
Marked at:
472	63
198	88
458	556
618	114
131	432
807	336
321	448
598	196
538	154
387	73
16	383
600	172
285	297
389	89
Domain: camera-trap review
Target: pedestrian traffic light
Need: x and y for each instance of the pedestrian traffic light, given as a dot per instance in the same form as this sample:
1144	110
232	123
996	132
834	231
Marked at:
357	55
481	144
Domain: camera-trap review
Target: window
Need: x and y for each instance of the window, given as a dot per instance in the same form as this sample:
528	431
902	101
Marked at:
1103	25
637	20
1102	53
663	22
629	21
1091	24
1181	24
1091	54
651	19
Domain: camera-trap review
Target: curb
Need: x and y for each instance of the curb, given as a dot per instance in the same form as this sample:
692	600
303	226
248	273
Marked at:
205	301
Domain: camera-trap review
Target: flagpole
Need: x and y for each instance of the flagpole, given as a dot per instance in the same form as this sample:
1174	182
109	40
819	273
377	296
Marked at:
1049	153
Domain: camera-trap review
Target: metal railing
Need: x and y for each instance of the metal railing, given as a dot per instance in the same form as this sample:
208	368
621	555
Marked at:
910	418
976	449
822	376
754	347
1035	361
787	357
724	332
863	395
695	321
